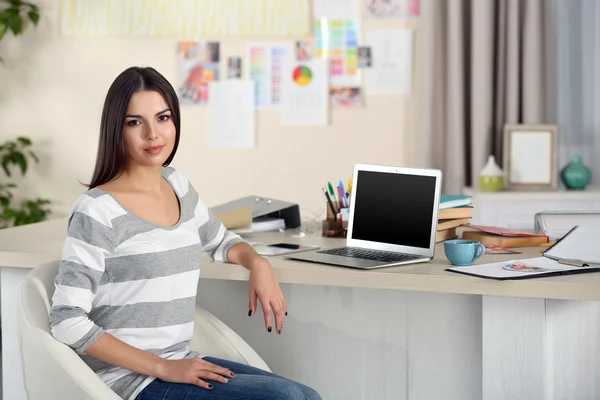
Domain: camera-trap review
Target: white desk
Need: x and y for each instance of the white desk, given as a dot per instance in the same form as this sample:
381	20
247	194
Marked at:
413	332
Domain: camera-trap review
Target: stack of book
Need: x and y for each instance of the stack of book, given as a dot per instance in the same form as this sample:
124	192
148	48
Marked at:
454	211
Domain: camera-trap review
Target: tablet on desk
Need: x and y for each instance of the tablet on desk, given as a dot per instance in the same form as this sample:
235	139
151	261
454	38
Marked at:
278	249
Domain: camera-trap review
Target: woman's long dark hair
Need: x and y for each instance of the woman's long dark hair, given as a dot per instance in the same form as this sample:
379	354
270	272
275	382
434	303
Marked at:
112	155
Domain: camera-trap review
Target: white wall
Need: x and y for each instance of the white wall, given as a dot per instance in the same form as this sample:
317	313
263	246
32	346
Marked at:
52	89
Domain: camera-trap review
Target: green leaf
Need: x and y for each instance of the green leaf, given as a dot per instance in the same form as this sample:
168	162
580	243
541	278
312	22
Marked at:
15	23
3	28
34	156
8	213
4	201
24	141
34	16
19	159
5	162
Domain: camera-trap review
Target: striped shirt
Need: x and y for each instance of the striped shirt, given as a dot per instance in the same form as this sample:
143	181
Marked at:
137	281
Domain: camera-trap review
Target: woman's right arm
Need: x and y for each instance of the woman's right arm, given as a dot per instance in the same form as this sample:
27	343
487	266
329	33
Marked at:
89	240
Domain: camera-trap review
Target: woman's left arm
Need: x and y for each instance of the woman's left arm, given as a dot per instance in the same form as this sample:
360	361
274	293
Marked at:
263	284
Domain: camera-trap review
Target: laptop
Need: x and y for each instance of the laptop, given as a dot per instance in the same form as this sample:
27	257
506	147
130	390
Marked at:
393	219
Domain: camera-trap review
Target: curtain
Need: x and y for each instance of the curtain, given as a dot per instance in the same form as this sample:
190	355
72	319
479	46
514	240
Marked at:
578	81
486	64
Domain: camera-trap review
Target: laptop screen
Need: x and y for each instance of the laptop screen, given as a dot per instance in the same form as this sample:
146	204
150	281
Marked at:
393	208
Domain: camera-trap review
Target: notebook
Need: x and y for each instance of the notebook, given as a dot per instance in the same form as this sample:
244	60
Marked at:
556	223
576	252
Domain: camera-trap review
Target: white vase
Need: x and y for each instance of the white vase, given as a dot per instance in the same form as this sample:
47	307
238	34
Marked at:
491	177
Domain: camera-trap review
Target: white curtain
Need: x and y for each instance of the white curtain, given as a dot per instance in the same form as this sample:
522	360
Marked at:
486	63
577	25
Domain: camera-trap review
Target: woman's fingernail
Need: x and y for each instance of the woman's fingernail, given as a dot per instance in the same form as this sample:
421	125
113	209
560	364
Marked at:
286	313
225	380
233	374
249	312
279	331
210	386
269	329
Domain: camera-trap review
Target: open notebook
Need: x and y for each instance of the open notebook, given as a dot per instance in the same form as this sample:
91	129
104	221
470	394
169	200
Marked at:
576	252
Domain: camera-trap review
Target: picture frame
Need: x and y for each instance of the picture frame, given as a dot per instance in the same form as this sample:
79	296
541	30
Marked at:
530	157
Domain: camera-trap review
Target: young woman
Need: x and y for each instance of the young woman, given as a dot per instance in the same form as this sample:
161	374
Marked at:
125	293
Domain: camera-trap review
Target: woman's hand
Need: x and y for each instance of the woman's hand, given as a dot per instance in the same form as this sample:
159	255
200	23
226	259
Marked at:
194	371
264	286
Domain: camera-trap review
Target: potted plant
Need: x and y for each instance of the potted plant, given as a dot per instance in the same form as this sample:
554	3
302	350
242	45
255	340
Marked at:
14	15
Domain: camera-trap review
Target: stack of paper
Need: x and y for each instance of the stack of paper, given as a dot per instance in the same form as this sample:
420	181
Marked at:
268	224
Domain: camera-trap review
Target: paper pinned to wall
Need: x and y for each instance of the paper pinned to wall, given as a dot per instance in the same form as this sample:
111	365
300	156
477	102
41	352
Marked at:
197	65
305	95
392	60
391	9
348	9
231	118
264	66
338	41
185	18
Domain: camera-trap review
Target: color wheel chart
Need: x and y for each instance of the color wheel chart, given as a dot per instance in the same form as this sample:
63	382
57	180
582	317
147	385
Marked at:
302	75
338	41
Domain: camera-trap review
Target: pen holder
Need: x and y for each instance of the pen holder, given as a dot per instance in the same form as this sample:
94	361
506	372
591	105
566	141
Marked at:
334	228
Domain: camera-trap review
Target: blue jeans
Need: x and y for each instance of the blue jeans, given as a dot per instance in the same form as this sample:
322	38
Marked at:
249	384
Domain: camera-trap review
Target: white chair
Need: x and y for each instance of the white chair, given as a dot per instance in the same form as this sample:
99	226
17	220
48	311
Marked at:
52	370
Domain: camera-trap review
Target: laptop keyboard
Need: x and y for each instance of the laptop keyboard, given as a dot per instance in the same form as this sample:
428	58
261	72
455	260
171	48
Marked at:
367	254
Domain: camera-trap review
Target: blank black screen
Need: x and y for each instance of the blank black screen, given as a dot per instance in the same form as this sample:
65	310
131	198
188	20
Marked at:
393	208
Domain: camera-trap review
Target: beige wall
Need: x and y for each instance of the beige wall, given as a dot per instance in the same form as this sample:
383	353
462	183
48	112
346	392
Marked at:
53	87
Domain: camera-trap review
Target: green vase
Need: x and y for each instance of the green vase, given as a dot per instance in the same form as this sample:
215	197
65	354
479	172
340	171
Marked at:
575	175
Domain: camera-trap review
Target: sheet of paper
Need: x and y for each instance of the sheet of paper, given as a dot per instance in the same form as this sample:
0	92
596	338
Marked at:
347	9
197	66
338	41
185	18
392	59
264	66
232	114
305	93
391	9
345	97
580	244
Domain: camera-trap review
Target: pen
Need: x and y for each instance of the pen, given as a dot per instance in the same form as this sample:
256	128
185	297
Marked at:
574	263
342	197
343	194
331	192
349	186
329	202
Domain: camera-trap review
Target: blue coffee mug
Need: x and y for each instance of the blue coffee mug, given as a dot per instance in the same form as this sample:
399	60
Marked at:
463	252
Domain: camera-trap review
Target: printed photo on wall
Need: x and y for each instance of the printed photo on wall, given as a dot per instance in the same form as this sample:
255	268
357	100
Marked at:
345	97
304	50
234	67
391	9
197	66
364	57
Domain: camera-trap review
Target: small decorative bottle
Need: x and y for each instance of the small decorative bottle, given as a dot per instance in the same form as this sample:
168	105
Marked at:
491	177
575	175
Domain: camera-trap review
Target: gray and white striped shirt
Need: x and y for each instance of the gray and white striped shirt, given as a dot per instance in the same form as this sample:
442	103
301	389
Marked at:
137	281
